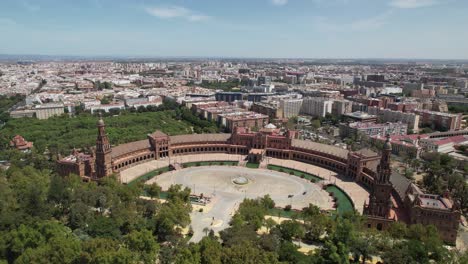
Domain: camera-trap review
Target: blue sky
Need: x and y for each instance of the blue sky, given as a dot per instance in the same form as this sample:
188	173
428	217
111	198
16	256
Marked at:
237	28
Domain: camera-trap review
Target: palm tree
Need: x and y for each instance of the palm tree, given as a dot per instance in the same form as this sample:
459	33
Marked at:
206	230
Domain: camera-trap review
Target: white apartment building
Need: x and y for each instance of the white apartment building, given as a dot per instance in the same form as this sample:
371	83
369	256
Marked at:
45	111
373	129
316	106
387	115
107	107
291	107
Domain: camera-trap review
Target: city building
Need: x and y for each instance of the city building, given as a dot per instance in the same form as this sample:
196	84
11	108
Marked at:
403	145
387	115
424	93
402	106
269	109
417	207
249	120
316	106
439	120
361	117
228	96
372	129
341	107
45	111
77	163
107	107
19	143
291	107
392	198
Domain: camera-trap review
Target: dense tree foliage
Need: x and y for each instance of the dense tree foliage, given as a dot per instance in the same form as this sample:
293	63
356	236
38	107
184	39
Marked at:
6	102
61	134
45	218
441	176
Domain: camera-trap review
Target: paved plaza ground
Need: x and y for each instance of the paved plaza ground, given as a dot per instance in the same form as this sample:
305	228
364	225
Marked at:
356	192
217	182
134	172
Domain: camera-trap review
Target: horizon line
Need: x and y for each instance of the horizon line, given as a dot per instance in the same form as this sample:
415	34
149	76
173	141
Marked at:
58	56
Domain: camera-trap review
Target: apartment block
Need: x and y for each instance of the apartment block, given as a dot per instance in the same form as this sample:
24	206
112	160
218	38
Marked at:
316	106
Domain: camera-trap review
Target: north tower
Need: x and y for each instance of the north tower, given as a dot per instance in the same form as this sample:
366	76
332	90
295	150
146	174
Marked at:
103	152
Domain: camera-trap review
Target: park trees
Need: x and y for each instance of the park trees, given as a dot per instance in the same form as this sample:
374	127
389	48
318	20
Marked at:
316	224
144	244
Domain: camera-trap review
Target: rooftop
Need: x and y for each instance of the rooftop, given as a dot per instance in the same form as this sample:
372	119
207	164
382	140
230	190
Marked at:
332	150
199	138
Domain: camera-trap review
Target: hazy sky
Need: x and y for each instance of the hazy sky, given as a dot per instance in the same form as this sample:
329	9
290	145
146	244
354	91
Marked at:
237	28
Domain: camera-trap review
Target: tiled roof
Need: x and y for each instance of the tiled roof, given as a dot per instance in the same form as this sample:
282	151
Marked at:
130	147
367	152
332	150
158	133
199	138
400	184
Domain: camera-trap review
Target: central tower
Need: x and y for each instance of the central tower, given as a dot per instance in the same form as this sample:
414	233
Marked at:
103	151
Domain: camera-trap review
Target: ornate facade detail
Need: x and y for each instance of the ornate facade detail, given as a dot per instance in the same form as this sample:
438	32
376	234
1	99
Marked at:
364	167
380	201
103	152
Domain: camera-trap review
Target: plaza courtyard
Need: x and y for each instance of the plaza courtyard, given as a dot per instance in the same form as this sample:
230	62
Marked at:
229	185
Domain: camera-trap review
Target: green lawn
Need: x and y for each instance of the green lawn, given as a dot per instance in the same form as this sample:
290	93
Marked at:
294	172
210	163
344	202
252	165
147	176
283	213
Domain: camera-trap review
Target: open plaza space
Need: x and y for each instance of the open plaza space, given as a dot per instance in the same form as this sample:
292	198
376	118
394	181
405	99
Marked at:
219	183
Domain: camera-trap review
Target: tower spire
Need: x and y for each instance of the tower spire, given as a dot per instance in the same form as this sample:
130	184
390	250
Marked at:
103	151
380	201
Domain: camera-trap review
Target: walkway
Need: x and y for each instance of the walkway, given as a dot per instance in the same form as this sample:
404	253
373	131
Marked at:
132	173
356	192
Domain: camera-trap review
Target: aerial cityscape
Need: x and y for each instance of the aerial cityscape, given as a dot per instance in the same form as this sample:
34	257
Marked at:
234	132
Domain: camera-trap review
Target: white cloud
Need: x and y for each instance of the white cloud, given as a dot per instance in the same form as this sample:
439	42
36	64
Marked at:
408	4
169	12
365	24
279	2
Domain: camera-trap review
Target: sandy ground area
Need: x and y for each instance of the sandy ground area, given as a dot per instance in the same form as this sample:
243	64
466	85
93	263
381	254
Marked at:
217	182
134	172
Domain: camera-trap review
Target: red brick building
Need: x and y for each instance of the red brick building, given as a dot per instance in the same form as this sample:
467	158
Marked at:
439	120
20	143
390	199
